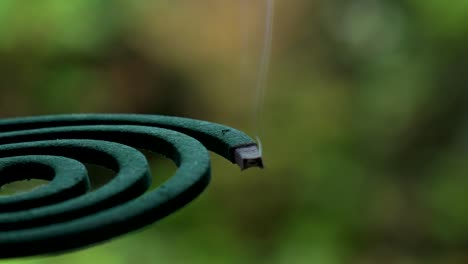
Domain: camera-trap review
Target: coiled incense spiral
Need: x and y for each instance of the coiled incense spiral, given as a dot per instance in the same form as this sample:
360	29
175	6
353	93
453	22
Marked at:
64	214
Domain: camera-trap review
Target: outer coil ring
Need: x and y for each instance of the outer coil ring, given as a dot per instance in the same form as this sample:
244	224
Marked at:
64	214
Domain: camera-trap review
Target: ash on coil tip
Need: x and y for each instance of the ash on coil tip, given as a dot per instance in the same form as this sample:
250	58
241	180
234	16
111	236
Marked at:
248	157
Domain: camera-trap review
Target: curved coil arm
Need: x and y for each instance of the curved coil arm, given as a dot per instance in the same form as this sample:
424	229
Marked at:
64	215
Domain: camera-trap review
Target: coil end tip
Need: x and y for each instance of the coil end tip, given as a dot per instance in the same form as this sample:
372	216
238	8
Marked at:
248	157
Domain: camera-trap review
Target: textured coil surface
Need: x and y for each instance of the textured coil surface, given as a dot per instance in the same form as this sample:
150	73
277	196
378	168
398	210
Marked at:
63	214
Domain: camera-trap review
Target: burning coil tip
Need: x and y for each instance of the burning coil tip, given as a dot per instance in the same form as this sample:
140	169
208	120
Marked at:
248	157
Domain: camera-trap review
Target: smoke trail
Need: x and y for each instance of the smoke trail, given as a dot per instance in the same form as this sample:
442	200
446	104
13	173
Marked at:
263	70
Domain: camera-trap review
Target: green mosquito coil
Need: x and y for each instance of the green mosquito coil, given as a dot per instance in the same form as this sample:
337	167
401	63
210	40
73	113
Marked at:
64	214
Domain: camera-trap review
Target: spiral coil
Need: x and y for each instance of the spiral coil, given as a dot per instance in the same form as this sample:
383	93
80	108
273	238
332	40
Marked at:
64	215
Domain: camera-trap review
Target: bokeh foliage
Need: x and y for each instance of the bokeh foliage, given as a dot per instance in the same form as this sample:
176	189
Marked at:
365	124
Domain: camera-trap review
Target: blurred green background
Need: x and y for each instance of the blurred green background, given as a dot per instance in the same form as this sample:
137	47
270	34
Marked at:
365	128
